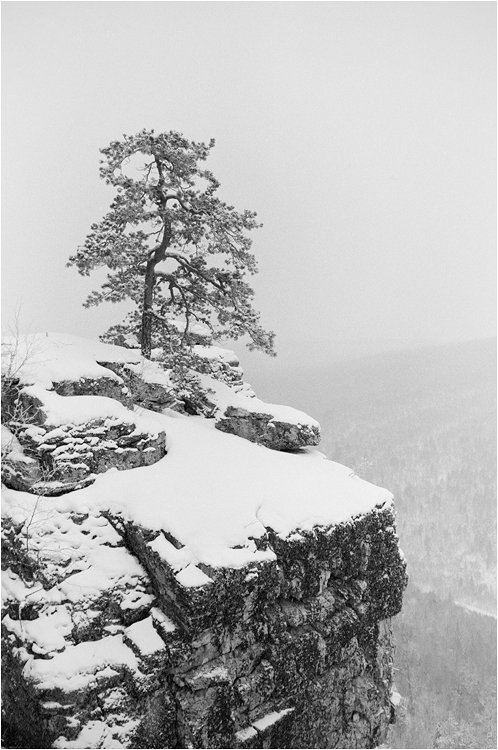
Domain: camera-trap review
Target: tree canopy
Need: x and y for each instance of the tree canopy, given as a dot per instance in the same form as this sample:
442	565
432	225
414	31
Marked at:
172	246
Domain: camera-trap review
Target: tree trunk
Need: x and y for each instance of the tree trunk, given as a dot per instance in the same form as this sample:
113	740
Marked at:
146	331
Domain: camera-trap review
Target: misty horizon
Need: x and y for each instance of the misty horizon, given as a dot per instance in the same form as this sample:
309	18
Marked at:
363	134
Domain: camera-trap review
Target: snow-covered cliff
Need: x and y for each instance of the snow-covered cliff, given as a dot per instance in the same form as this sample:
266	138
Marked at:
184	569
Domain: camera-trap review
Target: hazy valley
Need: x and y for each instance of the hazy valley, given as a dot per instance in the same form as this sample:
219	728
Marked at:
422	423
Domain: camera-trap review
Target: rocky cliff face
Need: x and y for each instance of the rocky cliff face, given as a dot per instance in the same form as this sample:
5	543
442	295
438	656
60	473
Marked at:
170	585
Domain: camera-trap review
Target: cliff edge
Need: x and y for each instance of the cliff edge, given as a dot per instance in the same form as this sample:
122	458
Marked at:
181	566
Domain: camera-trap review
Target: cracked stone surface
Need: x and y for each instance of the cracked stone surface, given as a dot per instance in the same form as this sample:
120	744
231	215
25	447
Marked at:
103	644
52	458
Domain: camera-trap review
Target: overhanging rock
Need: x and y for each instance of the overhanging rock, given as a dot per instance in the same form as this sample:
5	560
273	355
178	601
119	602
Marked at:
291	652
219	595
268	430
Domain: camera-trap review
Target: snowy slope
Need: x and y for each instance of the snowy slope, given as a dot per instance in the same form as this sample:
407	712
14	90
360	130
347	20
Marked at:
43	358
214	492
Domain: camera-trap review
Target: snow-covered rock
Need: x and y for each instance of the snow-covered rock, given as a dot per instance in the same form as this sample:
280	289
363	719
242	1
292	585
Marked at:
72	366
266	429
19	470
223	365
239	412
219	595
48	358
67	440
148	384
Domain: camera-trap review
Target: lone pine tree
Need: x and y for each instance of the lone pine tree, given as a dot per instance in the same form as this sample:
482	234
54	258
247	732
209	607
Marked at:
172	246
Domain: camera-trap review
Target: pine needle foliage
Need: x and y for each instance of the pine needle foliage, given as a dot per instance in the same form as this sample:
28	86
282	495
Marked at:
172	246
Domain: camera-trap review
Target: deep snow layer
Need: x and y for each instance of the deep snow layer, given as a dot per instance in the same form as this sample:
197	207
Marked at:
214	492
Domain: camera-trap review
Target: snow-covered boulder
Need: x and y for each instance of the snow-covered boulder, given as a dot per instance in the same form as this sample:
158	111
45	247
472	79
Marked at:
239	412
221	364
266	428
67	429
19	470
48	359
107	386
148	384
70	455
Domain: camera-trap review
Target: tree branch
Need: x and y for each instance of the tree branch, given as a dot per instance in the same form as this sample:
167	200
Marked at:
186	264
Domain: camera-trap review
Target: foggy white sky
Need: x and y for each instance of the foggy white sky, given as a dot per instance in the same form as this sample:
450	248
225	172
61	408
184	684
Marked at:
363	134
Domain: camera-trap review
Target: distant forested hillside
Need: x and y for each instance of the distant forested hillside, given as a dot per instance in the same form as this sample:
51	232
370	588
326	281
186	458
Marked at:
422	423
446	672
